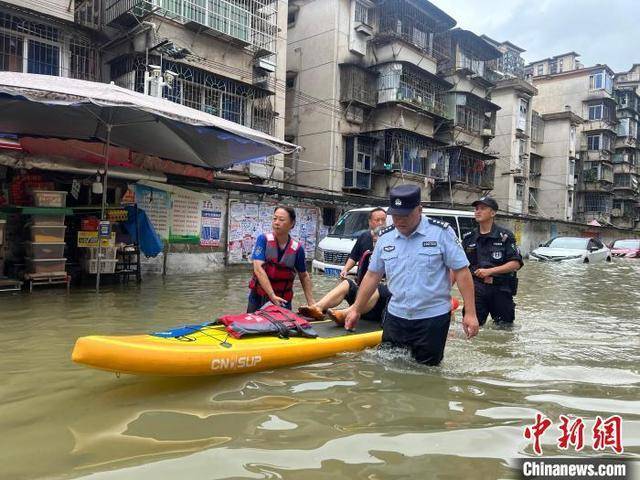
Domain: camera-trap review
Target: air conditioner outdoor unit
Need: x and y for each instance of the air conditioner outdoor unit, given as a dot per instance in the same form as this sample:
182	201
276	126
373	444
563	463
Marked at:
616	212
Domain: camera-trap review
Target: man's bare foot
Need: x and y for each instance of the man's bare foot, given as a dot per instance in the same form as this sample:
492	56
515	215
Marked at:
337	316
311	311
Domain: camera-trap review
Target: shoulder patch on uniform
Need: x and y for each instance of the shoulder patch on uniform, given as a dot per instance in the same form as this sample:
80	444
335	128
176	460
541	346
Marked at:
440	223
504	237
387	229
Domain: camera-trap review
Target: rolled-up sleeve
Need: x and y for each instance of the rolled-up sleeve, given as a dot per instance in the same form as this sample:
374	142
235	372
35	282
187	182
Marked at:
454	256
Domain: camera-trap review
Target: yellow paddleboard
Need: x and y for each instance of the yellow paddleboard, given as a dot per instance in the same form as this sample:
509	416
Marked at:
210	350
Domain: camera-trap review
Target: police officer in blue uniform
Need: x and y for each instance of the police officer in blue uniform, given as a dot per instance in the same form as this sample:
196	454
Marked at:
417	254
494	259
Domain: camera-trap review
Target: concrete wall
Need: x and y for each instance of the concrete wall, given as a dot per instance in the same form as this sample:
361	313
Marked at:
505	144
557	92
553	192
313	102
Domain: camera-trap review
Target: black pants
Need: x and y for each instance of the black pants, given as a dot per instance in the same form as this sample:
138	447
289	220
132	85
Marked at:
377	312
494	300
425	337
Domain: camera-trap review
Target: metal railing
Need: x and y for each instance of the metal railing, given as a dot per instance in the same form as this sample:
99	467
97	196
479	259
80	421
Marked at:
250	22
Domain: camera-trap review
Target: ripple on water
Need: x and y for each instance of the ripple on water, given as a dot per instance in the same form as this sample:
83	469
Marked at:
578	374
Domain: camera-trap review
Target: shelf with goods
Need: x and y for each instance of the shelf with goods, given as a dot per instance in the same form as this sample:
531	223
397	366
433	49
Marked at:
44	259
117	256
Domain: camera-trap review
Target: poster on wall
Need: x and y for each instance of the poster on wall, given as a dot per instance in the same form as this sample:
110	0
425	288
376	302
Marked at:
156	204
211	229
248	220
185	218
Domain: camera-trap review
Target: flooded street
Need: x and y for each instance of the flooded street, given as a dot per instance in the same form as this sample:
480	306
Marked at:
575	350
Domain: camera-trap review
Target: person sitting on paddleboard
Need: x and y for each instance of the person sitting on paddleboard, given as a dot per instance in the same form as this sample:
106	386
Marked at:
276	259
377	218
348	290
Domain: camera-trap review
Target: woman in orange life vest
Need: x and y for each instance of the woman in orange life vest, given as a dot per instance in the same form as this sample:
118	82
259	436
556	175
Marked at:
276	259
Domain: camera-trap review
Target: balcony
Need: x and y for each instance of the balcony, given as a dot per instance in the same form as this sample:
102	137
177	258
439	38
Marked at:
399	83
250	24
627	141
599	94
396	50
88	14
625	209
626	184
423	28
471	168
596	155
357	86
127	13
471	57
600	125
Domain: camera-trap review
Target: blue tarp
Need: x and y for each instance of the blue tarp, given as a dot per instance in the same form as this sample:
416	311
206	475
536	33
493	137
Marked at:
150	242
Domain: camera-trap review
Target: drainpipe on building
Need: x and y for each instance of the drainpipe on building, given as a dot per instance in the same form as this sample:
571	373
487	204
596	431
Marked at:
334	145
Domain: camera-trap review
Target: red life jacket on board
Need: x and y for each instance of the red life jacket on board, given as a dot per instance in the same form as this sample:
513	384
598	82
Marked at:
281	272
270	320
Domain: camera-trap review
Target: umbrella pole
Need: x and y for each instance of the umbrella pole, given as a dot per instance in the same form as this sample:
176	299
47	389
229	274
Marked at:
104	204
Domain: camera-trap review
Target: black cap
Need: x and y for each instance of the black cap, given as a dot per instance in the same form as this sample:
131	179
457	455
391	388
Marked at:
488	201
403	199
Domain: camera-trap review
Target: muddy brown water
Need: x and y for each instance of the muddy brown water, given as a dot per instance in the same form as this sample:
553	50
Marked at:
575	350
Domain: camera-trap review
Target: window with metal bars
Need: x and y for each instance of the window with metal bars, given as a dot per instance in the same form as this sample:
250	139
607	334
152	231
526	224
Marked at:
598	202
402	19
202	90
357	163
35	47
398	82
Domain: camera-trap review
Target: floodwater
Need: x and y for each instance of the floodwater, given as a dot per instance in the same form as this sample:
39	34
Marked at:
575	350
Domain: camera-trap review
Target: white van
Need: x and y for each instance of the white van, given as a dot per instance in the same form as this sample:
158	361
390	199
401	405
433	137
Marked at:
333	250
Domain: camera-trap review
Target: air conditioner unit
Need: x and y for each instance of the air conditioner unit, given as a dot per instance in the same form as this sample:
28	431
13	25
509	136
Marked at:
364	29
266	63
616	212
355	115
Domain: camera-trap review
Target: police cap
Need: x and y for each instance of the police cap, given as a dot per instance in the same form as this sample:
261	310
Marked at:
403	199
488	201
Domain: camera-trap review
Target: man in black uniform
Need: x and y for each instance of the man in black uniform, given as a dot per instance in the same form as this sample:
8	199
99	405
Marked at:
494	259
377	218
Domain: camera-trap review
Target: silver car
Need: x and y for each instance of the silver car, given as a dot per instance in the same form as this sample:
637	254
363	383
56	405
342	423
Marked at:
576	249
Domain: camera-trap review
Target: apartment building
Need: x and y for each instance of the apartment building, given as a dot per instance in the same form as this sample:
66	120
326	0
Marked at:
517	133
41	37
380	93
583	101
225	57
626	159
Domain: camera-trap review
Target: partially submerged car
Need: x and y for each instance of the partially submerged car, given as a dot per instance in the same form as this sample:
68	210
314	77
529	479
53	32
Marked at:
626	247
576	249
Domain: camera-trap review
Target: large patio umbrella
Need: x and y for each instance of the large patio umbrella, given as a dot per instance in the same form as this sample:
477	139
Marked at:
60	107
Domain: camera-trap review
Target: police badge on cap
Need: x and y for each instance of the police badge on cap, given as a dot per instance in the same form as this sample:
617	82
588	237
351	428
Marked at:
403	199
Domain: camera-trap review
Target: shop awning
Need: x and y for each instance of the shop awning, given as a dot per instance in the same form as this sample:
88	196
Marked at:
60	107
58	164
